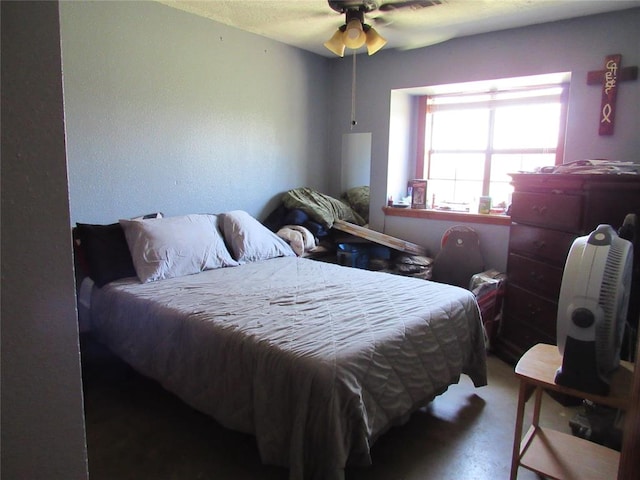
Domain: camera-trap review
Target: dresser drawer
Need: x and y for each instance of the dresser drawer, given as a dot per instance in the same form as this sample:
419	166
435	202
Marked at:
520	337
536	311
550	245
538	277
550	210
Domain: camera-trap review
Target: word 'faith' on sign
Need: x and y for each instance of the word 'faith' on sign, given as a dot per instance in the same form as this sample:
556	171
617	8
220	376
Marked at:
609	78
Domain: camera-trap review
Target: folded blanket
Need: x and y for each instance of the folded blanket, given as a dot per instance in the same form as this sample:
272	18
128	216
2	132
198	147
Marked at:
320	207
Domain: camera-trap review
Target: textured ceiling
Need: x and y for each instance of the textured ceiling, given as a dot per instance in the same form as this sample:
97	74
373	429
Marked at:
307	24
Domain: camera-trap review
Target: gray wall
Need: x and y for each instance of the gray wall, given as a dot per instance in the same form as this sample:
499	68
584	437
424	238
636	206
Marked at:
578	46
42	416
169	111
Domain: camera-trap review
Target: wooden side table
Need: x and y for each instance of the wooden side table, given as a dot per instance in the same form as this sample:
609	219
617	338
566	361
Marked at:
555	454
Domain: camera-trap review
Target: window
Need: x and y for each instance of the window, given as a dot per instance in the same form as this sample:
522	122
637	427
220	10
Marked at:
470	142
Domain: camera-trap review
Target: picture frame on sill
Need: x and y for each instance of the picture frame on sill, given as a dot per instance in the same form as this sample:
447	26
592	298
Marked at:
418	190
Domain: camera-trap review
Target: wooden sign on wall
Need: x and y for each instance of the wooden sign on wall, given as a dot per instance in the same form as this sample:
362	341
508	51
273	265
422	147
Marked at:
609	78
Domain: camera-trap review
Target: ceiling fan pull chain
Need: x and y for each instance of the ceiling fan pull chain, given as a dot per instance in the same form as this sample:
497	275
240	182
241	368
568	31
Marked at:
353	93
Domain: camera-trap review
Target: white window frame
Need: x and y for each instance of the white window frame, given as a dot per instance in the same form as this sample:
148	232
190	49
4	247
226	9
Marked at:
485	96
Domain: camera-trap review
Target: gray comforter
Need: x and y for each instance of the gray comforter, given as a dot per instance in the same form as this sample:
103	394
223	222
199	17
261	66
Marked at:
316	360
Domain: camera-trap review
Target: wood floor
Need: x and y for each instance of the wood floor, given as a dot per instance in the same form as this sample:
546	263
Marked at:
136	430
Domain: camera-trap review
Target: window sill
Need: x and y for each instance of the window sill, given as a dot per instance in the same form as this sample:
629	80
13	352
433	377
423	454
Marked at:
462	217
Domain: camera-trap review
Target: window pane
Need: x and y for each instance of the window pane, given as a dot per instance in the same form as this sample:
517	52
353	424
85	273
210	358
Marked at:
457	166
529	93
455	195
460	130
458	99
502	165
500	193
500	188
516	130
437	190
467	192
527	126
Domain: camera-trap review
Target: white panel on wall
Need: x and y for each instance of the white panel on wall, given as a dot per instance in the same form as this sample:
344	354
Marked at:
356	160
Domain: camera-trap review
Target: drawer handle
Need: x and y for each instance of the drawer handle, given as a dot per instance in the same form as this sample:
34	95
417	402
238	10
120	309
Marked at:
540	210
533	310
539	244
537	277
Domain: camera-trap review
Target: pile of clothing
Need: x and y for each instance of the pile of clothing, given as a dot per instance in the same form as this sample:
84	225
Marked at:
306	216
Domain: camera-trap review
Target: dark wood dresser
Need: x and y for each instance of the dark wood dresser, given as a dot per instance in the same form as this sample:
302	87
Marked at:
548	212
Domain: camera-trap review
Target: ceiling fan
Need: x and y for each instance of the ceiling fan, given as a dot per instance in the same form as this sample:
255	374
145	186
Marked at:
354	33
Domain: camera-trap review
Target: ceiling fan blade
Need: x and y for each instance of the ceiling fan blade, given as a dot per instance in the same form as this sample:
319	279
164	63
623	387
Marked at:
341	6
408	4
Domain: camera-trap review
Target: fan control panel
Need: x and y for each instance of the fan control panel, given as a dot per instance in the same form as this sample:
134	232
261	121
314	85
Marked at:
583	317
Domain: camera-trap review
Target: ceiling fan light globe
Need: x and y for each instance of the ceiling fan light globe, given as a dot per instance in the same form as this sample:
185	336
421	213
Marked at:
374	41
335	43
354	36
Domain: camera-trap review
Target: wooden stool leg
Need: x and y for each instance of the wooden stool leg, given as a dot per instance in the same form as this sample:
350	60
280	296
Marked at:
536	407
523	395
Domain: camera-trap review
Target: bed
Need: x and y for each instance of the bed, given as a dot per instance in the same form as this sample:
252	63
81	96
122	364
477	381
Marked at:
315	360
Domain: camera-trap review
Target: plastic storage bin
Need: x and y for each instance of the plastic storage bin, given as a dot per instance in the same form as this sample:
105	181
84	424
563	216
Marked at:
353	255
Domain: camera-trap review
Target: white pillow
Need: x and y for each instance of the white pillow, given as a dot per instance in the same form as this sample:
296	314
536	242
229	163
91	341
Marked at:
175	246
251	241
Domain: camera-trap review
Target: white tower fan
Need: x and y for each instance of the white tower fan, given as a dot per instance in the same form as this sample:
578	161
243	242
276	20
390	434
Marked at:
592	309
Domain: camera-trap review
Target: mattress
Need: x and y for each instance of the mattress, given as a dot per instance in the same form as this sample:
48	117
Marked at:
314	359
